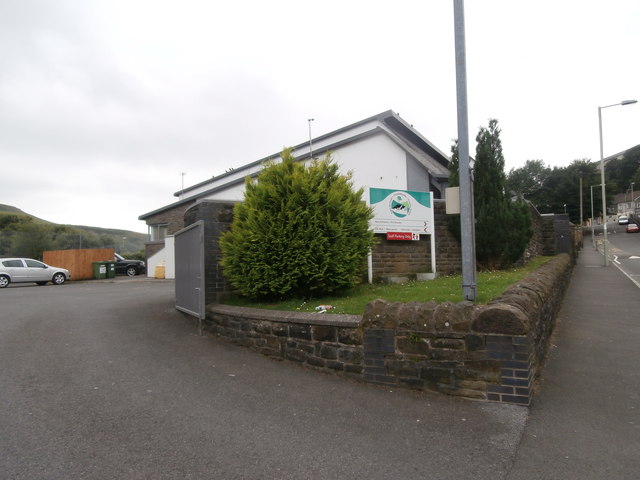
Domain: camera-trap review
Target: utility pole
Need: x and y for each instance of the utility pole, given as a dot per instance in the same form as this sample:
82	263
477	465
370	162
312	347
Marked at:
467	216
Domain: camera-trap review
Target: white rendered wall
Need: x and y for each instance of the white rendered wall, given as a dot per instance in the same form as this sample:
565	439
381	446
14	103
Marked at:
165	257
239	175
233	193
318	144
376	161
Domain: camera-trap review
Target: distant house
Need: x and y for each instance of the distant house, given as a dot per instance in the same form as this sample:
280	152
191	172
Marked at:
627	203
382	151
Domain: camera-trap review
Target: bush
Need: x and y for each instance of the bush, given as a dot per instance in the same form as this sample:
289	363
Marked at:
301	231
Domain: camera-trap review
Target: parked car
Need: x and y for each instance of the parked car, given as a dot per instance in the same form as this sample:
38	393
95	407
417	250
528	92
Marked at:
129	267
632	228
623	220
27	270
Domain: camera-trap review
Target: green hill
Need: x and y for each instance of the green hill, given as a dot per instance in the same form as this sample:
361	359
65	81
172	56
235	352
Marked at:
17	211
22	234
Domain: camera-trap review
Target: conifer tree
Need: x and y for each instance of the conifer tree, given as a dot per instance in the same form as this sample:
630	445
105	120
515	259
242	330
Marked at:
503	227
301	231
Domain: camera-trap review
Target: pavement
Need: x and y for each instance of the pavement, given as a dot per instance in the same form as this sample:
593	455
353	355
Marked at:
584	422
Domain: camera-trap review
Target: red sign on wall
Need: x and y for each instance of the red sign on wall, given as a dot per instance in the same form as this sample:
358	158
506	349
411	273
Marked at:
403	236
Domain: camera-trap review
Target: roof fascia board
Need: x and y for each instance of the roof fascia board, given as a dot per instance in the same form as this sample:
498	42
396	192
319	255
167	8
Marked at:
430	148
418	134
185	201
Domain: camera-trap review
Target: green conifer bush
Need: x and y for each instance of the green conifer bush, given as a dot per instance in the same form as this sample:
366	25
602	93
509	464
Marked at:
502	225
301	231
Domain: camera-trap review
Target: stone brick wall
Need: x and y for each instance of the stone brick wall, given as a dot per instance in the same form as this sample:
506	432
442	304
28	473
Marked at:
331	342
552	234
151	248
392	257
490	352
542	238
217	217
173	218
449	258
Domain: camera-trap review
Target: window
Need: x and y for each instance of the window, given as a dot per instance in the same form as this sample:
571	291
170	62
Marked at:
13	263
157	232
34	264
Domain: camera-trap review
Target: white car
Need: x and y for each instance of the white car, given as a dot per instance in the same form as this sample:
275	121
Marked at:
26	270
623	220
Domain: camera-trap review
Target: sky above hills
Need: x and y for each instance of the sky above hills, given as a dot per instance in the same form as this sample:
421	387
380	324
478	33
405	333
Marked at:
105	105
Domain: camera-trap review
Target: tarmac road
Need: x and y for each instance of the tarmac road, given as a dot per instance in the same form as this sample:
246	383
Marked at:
106	380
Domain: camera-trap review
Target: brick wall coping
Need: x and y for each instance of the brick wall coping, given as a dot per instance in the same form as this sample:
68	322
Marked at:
517	310
333	319
514	312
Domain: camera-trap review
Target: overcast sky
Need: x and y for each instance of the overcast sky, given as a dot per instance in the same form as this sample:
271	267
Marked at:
104	103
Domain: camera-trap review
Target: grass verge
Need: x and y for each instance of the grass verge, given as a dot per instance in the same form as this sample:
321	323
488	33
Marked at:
442	289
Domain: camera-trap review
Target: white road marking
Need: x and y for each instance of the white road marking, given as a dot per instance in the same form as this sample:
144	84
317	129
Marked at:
628	276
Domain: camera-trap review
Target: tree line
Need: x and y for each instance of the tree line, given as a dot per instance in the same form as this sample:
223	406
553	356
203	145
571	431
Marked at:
557	189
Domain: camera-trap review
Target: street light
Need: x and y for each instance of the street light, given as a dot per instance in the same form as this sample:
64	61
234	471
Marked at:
309	120
593	238
467	217
604	200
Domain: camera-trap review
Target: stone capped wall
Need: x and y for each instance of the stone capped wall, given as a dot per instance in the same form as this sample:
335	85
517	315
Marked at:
489	352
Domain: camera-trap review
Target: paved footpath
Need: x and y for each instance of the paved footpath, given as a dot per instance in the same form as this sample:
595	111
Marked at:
585	419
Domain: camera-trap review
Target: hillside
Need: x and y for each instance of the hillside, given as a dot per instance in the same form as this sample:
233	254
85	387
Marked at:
18	227
17	211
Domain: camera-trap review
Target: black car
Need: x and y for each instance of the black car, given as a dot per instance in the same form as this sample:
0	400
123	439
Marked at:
129	267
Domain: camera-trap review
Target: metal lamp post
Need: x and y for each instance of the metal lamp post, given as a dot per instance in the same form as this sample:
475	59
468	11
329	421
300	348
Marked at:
467	217
309	120
593	238
581	216
604	200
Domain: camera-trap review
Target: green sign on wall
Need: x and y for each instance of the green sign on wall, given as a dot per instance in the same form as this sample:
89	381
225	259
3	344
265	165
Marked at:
401	211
